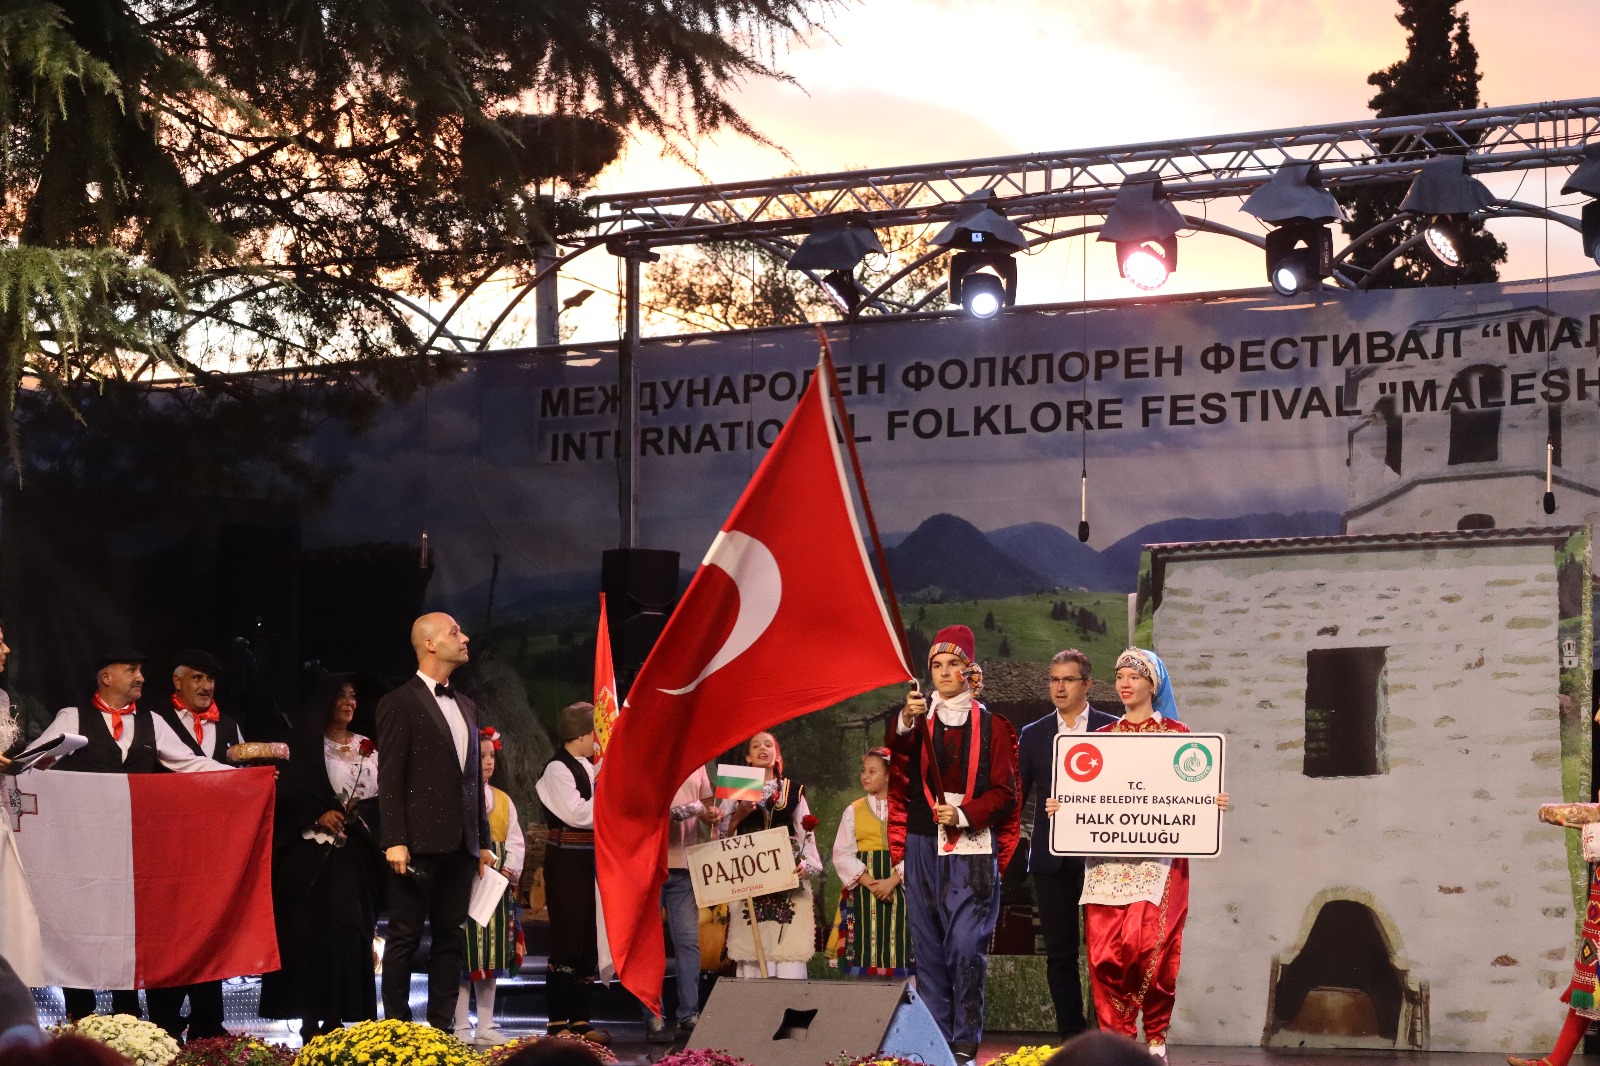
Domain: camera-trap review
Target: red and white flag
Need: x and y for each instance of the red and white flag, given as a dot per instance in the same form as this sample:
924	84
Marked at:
783	617
605	686
149	880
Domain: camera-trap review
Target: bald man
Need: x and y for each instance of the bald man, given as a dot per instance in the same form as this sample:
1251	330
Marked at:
434	828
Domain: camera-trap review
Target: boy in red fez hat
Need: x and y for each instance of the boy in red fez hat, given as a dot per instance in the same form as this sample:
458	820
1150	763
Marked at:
954	820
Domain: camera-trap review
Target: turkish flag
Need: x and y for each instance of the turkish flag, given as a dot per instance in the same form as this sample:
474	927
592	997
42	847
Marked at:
783	618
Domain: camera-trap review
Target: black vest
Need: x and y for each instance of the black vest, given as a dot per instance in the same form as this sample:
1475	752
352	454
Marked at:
919	817
779	812
580	777
101	755
227	731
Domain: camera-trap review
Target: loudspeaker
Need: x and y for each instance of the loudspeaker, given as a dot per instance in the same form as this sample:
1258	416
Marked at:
807	1023
641	586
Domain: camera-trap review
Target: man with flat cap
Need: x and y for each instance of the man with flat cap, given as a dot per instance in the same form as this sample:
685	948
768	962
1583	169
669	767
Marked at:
120	739
195	717
434	827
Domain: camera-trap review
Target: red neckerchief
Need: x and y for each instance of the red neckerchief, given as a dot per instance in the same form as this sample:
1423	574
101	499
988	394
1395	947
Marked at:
952	833
116	715
200	717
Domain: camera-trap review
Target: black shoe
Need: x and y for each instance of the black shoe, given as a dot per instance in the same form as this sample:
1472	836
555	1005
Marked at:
686	1027
656	1031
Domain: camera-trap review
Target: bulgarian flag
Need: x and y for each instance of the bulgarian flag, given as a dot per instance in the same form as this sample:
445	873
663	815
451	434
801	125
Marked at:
605	685
149	880
736	782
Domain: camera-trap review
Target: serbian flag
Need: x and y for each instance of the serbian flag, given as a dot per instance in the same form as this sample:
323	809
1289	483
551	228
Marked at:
783	617
149	880
605	686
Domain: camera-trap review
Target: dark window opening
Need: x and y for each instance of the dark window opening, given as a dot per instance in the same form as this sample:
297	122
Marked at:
1476	521
1475	431
1344	712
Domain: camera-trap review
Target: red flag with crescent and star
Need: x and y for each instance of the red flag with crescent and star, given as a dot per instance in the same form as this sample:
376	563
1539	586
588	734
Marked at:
605	686
784	617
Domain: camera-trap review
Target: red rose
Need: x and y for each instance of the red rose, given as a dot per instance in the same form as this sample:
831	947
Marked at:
367	747
809	822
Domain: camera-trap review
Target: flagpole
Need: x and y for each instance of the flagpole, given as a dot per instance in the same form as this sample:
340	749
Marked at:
861	487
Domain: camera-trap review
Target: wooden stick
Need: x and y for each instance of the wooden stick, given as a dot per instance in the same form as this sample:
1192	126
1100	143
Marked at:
755	932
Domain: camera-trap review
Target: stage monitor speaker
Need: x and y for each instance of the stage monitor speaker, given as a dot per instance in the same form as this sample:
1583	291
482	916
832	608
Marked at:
641	585
807	1023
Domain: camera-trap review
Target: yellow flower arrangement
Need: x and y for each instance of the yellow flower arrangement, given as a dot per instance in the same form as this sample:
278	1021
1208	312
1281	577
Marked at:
1033	1055
387	1043
142	1043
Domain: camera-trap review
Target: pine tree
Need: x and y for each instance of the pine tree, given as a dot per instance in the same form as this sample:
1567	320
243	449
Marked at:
1438	73
219	184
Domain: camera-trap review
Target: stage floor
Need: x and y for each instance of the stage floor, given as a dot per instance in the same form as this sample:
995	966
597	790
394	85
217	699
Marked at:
519	1004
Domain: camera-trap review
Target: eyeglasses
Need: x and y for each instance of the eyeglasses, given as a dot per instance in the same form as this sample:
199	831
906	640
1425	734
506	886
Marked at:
1065	680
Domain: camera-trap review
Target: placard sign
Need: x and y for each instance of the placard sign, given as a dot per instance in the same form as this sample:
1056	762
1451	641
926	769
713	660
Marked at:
751	864
1137	794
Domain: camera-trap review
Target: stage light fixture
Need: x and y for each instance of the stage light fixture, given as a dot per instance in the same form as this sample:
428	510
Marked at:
983	272
1586	179
1446	196
837	247
1300	248
1143	226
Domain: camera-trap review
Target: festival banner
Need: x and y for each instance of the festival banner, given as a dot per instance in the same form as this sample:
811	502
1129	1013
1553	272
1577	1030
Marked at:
149	880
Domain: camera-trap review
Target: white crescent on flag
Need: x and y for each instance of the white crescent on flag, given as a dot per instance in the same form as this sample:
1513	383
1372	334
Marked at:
755	574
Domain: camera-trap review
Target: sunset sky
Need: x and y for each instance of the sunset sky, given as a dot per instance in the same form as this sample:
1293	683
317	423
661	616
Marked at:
926	81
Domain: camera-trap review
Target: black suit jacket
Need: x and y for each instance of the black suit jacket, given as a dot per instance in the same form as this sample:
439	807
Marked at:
426	801
1035	748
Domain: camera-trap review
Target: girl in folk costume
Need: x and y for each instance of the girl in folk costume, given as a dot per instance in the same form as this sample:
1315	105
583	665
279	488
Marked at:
787	920
495	948
1135	909
869	931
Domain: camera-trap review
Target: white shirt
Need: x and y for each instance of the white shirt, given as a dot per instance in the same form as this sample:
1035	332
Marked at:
170	748
1080	726
452	717
559	794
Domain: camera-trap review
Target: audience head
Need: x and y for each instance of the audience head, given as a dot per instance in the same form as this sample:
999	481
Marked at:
1100	1048
58	1051
556	1052
16	1001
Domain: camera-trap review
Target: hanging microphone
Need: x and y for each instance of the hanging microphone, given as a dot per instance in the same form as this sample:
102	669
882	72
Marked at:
425	557
1083	512
1549	464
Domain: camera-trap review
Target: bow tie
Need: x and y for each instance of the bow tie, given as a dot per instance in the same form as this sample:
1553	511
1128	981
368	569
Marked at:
444	692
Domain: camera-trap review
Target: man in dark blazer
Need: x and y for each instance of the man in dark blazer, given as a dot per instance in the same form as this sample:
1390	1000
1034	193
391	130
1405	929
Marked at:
434	829
1057	879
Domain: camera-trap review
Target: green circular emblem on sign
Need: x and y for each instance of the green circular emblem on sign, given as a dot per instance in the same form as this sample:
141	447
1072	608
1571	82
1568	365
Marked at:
1192	762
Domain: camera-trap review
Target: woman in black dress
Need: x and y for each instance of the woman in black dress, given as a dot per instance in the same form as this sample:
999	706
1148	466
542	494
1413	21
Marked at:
326	863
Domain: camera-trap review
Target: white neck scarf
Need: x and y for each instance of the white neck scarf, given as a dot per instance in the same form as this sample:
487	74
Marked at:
953	711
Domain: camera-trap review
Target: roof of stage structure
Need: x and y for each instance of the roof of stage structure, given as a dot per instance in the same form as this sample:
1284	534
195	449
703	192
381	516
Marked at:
1065	184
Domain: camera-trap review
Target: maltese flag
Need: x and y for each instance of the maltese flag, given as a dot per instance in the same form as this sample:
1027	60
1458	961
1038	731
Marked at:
783	618
149	880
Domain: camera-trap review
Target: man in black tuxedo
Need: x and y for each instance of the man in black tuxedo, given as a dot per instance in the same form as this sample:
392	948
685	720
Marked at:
198	721
1057	879
434	827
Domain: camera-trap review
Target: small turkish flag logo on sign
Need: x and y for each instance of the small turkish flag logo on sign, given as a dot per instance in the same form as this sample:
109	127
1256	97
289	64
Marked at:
1083	762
